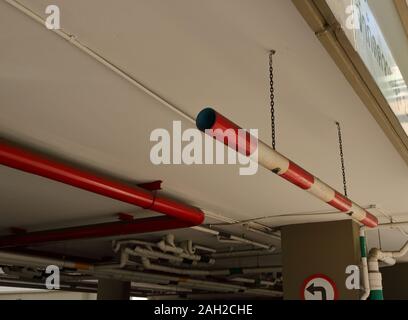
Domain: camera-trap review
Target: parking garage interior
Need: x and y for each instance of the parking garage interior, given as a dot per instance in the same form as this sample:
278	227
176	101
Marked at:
107	191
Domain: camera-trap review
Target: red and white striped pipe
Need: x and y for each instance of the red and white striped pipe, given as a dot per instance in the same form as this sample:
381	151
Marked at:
208	120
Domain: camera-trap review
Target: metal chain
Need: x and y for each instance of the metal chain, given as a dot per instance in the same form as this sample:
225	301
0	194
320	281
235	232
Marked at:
272	98
343	168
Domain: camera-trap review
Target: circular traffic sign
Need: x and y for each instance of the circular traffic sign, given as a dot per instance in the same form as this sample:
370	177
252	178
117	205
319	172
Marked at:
319	287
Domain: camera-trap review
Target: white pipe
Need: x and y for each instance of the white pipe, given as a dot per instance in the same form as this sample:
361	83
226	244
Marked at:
243	253
386	225
29	260
231	237
254	226
101	59
371	268
263	292
265	234
193	257
161	245
166	248
169	238
401	253
192	272
244	280
204	248
131	275
252	281
205	230
215	287
261	270
374	274
221	240
254	243
24	273
149	266
388	257
143	253
117	244
187	246
268	283
152	254
159	287
209	285
179	253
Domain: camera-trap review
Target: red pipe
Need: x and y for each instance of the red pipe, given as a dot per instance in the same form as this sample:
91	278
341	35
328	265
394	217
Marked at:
182	214
102	230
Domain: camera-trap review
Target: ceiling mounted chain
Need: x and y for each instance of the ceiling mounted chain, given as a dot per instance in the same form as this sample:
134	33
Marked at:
272	98
343	168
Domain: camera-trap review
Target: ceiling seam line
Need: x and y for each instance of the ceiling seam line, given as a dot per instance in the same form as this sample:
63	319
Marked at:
104	61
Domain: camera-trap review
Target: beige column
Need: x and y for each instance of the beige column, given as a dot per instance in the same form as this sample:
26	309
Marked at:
319	248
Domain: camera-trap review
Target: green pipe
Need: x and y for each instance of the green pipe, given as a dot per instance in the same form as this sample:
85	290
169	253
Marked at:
376	295
363	247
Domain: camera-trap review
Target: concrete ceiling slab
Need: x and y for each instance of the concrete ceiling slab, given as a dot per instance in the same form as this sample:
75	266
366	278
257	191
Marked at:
193	53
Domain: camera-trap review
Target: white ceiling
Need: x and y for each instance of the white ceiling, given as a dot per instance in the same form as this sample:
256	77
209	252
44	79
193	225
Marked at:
194	53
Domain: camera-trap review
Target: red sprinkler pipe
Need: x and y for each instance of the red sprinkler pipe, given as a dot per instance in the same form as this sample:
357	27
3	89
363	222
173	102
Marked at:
29	162
110	229
224	130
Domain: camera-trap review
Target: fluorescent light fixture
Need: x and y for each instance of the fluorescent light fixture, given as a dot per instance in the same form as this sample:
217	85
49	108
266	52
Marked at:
368	41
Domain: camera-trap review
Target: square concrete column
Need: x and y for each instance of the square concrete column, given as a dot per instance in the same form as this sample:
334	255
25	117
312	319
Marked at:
315	258
113	290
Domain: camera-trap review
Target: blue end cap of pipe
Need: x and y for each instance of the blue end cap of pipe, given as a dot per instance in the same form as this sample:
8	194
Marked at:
206	119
